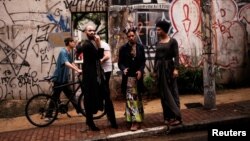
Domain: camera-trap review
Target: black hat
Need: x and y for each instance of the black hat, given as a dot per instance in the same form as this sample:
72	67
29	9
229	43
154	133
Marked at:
164	25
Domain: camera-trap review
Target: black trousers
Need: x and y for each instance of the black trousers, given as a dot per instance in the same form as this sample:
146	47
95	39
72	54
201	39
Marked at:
68	93
109	107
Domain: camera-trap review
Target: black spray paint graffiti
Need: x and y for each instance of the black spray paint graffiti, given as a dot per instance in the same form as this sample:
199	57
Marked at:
86	5
45	61
60	25
5	83
9	32
19	86
29	82
41	52
43	32
15	16
15	57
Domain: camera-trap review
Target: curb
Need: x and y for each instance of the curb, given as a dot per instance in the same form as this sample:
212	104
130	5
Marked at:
165	130
139	133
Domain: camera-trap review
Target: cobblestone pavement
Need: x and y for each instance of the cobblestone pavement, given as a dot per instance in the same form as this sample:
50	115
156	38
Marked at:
192	118
195	118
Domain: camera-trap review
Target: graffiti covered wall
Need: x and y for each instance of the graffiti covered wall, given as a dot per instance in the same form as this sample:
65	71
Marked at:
230	29
31	35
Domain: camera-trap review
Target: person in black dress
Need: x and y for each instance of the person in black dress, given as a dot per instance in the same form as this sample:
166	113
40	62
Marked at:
166	69
95	89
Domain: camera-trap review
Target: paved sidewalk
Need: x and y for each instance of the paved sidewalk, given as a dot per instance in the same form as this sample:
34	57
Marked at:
193	119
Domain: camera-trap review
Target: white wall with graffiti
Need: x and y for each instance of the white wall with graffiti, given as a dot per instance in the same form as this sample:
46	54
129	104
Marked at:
26	55
31	35
32	31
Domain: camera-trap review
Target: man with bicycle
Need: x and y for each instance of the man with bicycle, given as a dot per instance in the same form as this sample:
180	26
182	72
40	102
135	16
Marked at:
62	75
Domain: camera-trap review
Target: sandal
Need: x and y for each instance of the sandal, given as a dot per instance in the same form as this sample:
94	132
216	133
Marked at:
168	121
175	123
134	127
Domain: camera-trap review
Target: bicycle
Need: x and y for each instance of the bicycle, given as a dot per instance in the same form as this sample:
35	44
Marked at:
38	105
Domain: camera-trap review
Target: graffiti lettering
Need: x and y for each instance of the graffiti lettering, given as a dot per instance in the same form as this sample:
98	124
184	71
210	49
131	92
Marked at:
43	32
69	3
53	63
28	80
6	78
2	27
86	5
44	58
10	32
229	43
62	25
57	12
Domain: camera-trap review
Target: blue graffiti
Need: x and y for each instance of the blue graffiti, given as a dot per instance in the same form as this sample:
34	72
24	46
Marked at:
62	24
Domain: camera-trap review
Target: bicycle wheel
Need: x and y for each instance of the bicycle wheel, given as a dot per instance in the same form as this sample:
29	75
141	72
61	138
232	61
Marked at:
98	115
37	107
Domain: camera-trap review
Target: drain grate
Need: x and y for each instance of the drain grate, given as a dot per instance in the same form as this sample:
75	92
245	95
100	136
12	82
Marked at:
193	105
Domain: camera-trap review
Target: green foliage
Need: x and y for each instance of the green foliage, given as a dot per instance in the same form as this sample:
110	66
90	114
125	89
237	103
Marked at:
150	84
149	81
190	80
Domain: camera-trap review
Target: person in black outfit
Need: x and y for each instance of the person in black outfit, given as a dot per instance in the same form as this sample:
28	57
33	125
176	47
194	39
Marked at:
125	64
166	70
95	88
131	62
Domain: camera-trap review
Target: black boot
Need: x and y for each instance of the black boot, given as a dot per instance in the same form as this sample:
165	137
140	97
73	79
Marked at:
113	124
92	126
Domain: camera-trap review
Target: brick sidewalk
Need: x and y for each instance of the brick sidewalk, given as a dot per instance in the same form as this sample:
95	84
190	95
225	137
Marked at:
194	118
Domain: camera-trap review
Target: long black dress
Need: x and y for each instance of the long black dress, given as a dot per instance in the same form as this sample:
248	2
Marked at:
166	60
94	89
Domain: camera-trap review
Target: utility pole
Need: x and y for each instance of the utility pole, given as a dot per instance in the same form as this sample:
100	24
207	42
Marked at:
208	68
